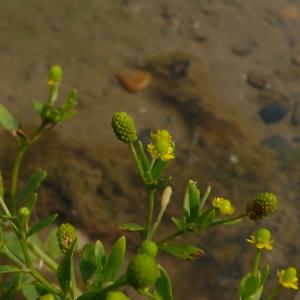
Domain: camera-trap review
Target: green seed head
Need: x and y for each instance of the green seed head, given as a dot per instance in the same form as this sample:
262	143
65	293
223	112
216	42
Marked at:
142	271
66	234
116	296
55	74
289	274
262	206
124	128
148	247
47	297
262	235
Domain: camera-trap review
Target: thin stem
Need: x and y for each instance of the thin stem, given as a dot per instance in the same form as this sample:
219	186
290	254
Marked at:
137	160
240	216
151	193
4	207
5	251
24	247
171	237
274	292
43	255
256	261
156	224
15	175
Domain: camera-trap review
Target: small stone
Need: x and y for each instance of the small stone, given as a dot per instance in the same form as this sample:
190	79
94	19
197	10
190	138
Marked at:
200	37
233	159
279	145
243	48
296	139
273	112
134	80
289	12
258	81
179	68
296	60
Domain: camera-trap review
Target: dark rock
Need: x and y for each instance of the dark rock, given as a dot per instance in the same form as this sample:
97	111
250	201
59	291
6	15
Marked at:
273	112
296	139
279	145
200	37
179	68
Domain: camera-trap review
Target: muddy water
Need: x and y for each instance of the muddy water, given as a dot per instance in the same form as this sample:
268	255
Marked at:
218	67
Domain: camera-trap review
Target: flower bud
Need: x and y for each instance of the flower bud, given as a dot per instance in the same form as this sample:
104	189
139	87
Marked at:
166	197
116	296
261	239
223	205
142	271
24	214
148	247
124	127
66	234
288	278
262	206
55	75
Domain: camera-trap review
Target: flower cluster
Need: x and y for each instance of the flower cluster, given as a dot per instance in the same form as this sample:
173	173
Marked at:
223	205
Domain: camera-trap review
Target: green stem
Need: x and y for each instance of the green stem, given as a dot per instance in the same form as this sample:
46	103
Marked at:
151	193
137	160
274	293
23	242
240	216
171	237
15	175
156	224
4	207
5	251
44	256
256	261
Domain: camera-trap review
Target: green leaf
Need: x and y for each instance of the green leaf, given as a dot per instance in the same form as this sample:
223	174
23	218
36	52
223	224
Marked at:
231	222
249	286
163	286
178	223
65	268
31	201
115	259
132	227
157	168
185	252
193	195
7	120
9	269
87	262
32	184
30	292
51	244
206	218
38	106
143	156
264	274
42	224
204	198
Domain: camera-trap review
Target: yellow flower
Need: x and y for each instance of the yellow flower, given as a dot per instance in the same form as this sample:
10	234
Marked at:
162	146
288	278
223	205
261	239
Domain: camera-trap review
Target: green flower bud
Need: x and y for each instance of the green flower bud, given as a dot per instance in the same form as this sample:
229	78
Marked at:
148	247
116	296
289	274
55	74
142	271
24	214
66	234
124	128
262	206
47	297
1	186
262	235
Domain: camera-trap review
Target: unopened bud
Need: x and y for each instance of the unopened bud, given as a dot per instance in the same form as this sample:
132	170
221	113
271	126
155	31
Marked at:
166	197
66	234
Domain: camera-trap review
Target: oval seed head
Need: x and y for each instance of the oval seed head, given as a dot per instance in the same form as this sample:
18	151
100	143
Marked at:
142	271
47	297
262	206
148	247
124	127
66	235
55	75
116	296
263	235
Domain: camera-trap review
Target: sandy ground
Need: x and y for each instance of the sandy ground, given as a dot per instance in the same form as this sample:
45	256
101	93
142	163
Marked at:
216	65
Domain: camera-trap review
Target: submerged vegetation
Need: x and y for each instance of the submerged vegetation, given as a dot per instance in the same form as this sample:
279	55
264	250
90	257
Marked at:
37	271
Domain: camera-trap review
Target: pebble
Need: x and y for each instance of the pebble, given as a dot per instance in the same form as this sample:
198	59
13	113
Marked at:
296	60
243	48
134	80
295	117
258	81
290	12
179	68
273	112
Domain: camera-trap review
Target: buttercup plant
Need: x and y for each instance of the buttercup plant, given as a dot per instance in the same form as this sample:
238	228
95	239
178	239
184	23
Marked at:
44	269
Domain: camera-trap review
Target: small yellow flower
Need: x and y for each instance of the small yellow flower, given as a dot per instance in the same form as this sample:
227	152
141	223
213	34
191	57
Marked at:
261	239
162	146
288	278
223	205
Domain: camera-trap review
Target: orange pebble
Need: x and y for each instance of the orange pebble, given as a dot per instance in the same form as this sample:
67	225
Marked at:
134	80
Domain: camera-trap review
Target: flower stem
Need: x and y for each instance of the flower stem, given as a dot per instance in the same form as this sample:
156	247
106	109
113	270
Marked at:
274	292
218	222
151	193
256	261
171	237
137	160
